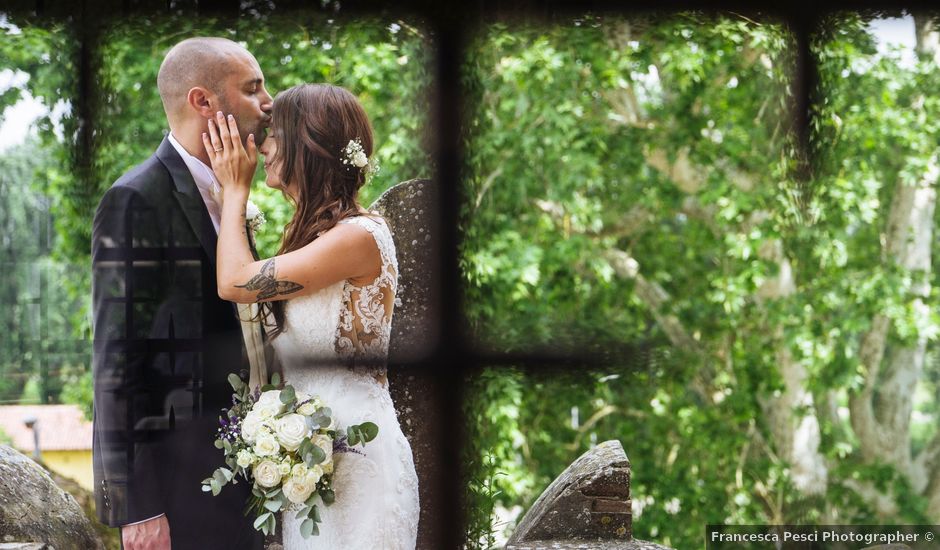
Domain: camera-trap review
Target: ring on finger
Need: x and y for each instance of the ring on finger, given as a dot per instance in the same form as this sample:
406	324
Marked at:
217	149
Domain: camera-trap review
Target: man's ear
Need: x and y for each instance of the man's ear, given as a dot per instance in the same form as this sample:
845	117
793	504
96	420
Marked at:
202	101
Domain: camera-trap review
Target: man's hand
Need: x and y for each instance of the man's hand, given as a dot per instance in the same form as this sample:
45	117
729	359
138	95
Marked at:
153	534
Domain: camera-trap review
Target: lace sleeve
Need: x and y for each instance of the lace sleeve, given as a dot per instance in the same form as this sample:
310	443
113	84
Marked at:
366	315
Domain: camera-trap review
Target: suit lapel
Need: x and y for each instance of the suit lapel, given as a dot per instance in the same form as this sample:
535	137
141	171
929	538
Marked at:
187	194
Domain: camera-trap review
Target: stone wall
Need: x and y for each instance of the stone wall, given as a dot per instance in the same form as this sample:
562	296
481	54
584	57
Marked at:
33	509
588	506
410	210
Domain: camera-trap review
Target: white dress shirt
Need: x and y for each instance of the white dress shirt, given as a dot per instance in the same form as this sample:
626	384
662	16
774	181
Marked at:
208	186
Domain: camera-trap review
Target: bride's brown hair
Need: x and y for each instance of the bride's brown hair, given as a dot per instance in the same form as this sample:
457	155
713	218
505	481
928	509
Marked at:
313	124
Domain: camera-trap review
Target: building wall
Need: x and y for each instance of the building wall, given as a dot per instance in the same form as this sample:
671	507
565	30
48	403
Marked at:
72	464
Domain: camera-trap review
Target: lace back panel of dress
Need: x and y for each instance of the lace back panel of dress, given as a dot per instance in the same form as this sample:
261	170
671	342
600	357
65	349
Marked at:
366	315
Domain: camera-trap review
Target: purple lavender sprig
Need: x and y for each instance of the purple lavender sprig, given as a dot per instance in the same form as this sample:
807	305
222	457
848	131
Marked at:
341	445
230	428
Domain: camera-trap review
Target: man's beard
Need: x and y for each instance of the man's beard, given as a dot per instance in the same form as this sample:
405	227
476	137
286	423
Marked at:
257	129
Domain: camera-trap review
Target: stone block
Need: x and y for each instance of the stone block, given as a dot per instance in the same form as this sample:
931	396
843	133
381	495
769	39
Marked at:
34	509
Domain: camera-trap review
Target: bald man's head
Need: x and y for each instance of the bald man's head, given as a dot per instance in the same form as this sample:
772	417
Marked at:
204	62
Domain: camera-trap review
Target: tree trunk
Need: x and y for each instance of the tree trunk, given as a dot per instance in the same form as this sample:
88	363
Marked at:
881	409
791	414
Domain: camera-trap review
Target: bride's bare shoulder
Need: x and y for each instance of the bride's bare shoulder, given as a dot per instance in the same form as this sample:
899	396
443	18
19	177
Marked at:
354	234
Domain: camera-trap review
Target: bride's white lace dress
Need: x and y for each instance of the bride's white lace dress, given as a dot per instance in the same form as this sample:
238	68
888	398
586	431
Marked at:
334	344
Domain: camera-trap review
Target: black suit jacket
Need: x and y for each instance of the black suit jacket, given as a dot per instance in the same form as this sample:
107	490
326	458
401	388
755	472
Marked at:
164	345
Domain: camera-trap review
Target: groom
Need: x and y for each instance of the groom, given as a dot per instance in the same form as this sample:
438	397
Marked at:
164	341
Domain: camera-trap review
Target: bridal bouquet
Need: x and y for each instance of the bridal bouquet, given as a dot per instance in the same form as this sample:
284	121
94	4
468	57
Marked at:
282	441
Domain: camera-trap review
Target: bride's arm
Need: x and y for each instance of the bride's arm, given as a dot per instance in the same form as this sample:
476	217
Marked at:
345	252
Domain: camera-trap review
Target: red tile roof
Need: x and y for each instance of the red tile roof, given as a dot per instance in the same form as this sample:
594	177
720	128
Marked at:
61	427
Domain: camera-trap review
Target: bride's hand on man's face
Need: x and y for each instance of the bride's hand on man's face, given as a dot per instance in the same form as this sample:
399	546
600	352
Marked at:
233	164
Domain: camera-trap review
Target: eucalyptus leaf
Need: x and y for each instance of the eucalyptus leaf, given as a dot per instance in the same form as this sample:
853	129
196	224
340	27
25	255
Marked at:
369	430
276	379
321	419
288	395
306	528
235	382
260	520
317	455
219	477
273	505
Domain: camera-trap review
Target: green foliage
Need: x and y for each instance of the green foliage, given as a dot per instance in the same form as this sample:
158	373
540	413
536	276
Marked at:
45	294
386	65
549	189
32	391
43	184
38	318
667	141
77	389
5	439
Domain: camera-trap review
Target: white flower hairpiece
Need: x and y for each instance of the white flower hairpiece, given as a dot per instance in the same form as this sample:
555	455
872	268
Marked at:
355	155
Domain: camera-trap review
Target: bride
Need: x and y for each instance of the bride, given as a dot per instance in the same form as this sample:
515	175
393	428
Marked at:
331	292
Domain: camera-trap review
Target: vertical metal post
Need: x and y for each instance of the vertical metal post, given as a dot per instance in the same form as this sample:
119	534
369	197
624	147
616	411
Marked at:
33	423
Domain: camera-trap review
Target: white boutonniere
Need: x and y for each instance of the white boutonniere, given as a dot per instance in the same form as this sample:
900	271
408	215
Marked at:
254	216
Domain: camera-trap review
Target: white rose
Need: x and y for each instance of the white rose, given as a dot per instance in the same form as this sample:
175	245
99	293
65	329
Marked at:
266	474
299	489
269	404
327	467
312	404
270	396
284	468
250	426
268	410
291	429
266	445
325	443
314	474
244	458
307	409
299	470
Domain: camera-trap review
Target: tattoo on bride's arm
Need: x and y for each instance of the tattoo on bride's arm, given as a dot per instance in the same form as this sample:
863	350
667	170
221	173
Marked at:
267	285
